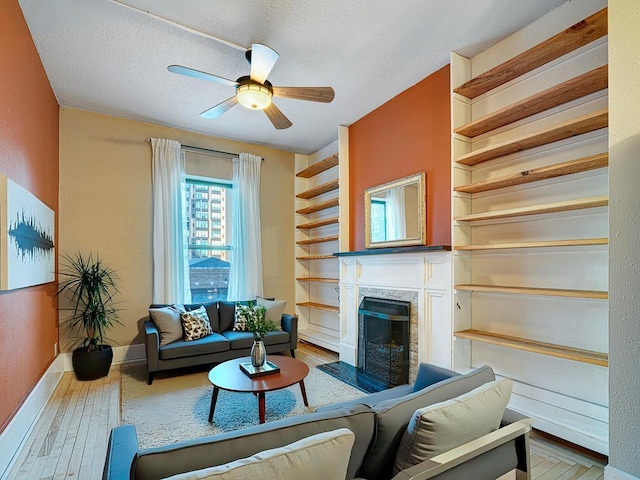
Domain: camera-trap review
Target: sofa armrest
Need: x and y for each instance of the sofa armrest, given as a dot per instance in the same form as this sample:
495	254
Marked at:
290	325
152	346
438	466
121	449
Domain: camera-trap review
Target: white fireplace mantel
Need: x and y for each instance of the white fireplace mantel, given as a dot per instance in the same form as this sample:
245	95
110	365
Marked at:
425	271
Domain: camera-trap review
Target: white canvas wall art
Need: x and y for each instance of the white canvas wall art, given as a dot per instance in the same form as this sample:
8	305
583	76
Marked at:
27	238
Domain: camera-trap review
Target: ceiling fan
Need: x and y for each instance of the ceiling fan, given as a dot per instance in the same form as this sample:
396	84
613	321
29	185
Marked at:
255	91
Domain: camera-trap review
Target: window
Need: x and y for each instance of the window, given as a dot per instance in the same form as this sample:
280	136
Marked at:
378	220
209	240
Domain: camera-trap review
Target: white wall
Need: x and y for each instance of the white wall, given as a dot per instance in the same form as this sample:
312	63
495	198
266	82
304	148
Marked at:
624	211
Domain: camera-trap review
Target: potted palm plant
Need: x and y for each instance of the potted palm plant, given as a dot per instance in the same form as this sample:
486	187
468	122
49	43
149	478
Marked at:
86	287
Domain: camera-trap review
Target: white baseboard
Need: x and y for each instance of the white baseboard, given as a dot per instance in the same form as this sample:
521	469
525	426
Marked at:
13	437
129	353
611	473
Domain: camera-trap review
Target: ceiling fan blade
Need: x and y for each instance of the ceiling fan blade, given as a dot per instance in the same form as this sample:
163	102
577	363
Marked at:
190	72
215	112
263	59
310	94
277	117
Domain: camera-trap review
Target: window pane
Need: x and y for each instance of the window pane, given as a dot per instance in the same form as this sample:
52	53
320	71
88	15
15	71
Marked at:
209	238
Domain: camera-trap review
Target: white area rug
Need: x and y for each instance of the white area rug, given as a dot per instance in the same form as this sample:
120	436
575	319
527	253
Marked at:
176	407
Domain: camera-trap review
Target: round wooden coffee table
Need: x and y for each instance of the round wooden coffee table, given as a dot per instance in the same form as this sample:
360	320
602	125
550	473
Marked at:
229	376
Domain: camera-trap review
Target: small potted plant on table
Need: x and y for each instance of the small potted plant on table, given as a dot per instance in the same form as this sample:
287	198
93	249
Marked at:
256	322
86	288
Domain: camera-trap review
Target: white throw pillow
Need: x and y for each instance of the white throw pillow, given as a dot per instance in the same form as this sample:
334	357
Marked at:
443	426
275	309
167	321
318	457
195	324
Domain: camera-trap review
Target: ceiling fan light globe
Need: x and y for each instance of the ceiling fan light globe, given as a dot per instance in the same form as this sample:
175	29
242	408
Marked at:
254	97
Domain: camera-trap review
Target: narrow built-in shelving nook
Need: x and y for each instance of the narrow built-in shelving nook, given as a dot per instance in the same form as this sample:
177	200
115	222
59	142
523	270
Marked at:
530	218
318	235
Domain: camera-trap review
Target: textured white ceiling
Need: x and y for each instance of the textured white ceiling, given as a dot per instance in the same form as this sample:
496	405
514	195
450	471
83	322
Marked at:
104	57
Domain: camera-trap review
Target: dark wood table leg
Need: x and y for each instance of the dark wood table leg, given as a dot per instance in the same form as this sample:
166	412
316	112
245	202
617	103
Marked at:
304	393
214	398
261	406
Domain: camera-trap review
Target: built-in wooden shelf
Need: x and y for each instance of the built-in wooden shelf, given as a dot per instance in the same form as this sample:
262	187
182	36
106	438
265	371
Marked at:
315	257
577	87
553	350
318	280
547	292
570	128
565	206
318	167
319	190
319	223
574	37
537	174
313	241
319	306
542	244
319	207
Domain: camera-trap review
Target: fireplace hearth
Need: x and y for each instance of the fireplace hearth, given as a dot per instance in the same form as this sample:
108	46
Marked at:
383	340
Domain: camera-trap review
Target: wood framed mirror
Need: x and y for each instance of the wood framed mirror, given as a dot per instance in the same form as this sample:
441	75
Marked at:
395	213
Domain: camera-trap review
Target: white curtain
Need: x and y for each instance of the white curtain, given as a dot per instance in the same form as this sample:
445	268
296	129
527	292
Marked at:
395	216
170	259
245	273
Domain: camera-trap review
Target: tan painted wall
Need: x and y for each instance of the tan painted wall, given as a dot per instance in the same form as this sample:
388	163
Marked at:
105	206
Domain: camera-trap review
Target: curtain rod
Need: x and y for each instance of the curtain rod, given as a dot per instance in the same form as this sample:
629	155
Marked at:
148	140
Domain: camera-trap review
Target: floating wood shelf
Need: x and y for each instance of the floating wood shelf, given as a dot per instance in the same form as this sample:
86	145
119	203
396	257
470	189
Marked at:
553	350
319	207
319	306
319	223
313	241
574	37
315	257
577	87
571	128
319	190
537	174
318	280
319	167
548	292
542	244
565	206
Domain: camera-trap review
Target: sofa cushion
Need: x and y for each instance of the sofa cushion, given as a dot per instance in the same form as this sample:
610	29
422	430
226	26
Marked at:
195	324
203	346
200	453
430	374
318	457
394	415
275	309
446	425
240	340
226	314
167	321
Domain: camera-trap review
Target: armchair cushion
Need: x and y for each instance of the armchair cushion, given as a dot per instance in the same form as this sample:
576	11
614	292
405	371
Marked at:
320	456
441	427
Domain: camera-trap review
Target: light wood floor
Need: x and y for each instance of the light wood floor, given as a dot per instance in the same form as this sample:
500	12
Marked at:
70	438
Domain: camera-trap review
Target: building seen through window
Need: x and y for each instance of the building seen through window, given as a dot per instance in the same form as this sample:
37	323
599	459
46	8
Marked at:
209	212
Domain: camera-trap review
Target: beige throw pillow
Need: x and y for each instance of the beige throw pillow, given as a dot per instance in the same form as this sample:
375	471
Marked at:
275	309
196	324
443	426
318	457
167	321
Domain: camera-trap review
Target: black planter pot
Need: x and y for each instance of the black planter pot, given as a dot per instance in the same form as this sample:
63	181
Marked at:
92	365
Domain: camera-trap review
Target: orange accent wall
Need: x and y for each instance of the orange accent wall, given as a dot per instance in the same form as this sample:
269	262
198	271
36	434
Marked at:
408	134
28	156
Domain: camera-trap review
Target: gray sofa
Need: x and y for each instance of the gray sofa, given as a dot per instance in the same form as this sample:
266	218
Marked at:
378	421
224	344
